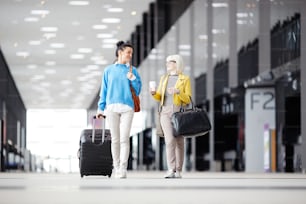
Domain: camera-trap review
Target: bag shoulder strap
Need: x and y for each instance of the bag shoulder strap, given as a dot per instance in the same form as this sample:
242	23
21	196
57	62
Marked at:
131	68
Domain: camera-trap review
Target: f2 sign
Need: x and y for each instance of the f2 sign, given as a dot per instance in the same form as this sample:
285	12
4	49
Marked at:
259	114
264	99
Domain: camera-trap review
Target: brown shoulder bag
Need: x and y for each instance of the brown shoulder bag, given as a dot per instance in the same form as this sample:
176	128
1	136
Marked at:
135	97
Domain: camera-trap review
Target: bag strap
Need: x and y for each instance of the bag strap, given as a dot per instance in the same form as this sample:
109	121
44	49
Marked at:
131	71
164	77
192	106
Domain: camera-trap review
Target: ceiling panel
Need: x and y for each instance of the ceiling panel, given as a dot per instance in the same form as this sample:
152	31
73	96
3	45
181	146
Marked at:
50	77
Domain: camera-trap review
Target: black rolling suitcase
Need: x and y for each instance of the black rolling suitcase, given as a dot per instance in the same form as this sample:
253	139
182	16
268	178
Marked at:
95	156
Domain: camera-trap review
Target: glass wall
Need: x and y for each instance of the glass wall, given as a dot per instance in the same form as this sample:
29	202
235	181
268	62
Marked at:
188	36
220	30
199	37
247	22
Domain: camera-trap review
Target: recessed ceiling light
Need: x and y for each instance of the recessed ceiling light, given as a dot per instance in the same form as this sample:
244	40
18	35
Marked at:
50	52
66	82
184	47
92	67
40	12
22	54
242	15
48	29
37	77
115	10
32	66
49	35
108	46
57	45
50	71
31	19
99	27
111	20
184	53
203	37
34	42
218	5
50	63
95	58
78	3
218	31
85	50
111	40
242	22
104	35
101	62
77	56
133	13
94	74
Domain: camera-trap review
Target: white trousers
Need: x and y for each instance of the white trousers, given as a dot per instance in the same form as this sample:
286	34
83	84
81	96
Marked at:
120	127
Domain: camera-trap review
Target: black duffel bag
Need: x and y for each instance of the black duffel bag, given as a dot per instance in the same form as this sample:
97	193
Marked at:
190	122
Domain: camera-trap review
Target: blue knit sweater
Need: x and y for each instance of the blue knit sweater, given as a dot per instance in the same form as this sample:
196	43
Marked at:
115	86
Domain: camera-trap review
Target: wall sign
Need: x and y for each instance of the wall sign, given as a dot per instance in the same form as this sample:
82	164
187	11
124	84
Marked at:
259	114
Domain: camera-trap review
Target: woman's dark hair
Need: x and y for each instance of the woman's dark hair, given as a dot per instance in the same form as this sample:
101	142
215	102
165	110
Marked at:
122	45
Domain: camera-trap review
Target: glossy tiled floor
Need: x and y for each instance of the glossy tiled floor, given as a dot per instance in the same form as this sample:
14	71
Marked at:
152	188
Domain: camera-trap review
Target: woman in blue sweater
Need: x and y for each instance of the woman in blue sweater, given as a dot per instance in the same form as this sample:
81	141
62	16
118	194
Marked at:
116	103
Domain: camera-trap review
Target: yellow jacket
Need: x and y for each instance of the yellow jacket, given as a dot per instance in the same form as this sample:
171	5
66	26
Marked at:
182	84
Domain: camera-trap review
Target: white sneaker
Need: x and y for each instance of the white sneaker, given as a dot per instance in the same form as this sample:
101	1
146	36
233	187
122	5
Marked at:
120	174
170	174
178	174
123	174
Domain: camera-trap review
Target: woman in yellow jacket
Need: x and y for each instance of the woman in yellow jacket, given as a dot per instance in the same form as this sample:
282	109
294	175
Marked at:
174	90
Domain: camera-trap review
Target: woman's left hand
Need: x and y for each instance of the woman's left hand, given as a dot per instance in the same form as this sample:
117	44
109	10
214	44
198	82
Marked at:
173	90
130	75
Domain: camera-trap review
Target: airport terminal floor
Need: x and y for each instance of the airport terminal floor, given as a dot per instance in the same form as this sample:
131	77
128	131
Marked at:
143	187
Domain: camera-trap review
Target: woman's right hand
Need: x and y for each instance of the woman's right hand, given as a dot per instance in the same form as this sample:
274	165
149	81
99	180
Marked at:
99	114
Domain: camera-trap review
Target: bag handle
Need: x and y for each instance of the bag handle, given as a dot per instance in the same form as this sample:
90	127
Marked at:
94	128
192	106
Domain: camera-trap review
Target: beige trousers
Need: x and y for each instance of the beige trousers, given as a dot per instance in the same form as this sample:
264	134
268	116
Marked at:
174	145
120	127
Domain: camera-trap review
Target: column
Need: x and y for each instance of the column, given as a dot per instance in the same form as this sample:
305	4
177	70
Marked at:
210	82
192	79
233	59
260	102
303	82
264	36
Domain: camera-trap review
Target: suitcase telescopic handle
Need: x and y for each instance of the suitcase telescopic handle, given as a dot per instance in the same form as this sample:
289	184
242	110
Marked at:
94	128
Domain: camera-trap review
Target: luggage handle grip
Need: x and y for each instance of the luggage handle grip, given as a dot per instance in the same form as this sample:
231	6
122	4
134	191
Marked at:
99	116
94	128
